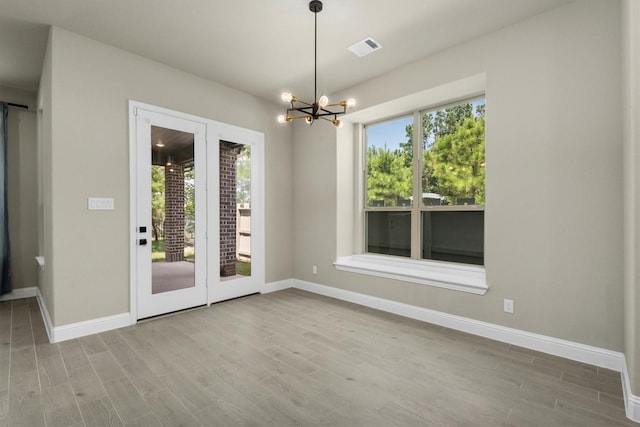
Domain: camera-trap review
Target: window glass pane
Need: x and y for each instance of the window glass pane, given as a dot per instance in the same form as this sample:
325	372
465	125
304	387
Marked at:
453	157
389	163
455	236
389	233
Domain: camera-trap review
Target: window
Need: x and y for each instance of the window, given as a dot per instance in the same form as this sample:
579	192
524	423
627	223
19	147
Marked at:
425	184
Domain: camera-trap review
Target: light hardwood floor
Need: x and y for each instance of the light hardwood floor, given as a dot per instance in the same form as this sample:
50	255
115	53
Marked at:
290	358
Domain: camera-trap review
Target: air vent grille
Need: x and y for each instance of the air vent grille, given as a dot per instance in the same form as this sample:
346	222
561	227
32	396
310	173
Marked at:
365	47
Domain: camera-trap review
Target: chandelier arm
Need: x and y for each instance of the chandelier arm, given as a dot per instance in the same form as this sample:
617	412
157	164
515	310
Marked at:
336	105
300	102
304	110
326	112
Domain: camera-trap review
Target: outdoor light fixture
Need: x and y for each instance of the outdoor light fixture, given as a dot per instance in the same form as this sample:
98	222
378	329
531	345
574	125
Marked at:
320	108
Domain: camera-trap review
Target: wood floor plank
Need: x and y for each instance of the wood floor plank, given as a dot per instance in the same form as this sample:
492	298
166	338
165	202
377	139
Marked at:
73	354
126	399
60	406
147	420
187	391
92	344
52	371
25	400
86	384
169	409
142	377
100	412
236	406
106	366
23	360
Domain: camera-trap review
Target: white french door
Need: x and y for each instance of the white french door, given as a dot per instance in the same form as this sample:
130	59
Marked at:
245	243
197	211
171	213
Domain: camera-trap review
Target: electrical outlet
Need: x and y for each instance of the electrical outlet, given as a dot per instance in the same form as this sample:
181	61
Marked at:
315	269
508	306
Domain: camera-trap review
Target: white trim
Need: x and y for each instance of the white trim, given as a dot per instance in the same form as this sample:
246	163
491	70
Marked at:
45	314
20	293
80	329
89	327
631	401
567	349
133	212
277	286
465	278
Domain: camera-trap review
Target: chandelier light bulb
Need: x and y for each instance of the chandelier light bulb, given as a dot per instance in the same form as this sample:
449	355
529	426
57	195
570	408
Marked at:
323	101
282	118
337	123
287	96
308	119
351	102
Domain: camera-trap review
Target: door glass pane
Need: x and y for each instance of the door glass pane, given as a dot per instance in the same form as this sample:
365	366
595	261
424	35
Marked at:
235	210
172	210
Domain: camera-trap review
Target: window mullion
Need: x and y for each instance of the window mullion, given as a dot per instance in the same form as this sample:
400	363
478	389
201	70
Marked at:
417	186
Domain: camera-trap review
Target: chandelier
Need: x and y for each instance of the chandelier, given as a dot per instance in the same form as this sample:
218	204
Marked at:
320	108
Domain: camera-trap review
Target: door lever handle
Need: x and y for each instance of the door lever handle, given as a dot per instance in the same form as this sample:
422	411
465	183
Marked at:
142	242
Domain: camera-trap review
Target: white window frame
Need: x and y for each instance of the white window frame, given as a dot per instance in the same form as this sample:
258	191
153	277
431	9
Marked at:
448	275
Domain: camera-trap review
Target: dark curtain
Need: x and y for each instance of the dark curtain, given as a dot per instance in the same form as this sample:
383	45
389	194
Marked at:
5	273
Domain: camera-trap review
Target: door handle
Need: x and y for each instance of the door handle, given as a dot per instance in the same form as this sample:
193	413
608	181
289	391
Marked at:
142	242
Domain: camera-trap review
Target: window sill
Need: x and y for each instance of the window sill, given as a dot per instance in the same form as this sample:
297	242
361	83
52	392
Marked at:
458	277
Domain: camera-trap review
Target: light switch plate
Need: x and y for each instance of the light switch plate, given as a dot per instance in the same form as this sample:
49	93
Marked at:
100	204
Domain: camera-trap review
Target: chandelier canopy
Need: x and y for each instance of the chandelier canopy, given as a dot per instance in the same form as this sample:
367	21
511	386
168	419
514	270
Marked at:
320	108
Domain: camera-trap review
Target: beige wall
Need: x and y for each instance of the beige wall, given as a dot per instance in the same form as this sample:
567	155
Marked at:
22	188
553	214
90	87
22	197
631	140
45	180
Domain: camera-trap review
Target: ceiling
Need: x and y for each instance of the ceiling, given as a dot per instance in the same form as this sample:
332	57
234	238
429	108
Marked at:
258	46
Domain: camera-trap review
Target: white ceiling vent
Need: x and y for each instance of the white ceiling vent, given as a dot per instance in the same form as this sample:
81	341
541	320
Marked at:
365	47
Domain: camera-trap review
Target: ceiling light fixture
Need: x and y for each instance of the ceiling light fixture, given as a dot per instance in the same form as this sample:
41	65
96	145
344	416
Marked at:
320	108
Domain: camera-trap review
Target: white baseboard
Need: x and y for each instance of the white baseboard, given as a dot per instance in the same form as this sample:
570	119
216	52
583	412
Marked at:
570	350
45	315
89	327
277	286
20	293
80	329
631	401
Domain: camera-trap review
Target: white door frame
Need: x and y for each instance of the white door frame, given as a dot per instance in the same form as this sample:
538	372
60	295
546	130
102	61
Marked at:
216	132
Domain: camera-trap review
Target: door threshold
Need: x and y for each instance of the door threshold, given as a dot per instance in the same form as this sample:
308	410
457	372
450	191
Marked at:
171	313
235	298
